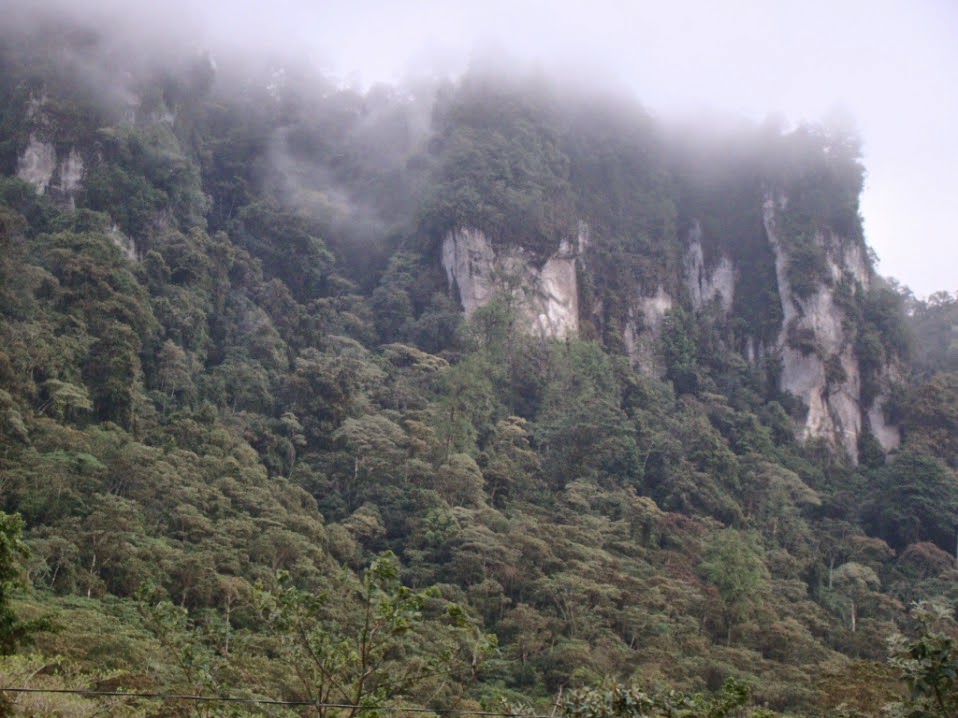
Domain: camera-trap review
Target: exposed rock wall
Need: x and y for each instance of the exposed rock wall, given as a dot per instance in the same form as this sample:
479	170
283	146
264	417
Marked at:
37	164
547	296
60	177
71	173
707	286
821	369
643	329
643	326
470	264
124	244
815	346
887	434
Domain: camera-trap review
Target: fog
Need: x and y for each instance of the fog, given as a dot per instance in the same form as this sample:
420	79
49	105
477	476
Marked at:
891	66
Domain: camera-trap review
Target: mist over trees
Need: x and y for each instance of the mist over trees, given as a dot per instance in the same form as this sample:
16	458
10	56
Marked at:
257	449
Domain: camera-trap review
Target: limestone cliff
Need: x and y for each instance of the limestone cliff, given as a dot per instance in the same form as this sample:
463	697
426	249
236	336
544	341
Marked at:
706	284
60	177
618	288
887	434
818	362
815	346
547	297
643	329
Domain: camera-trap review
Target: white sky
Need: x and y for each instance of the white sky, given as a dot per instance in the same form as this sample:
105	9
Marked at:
891	65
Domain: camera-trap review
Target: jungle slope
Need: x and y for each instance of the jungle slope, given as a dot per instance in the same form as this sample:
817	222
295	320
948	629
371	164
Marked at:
234	374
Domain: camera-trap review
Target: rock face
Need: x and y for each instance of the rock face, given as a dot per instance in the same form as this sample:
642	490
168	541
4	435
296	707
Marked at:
470	264
818	361
887	434
547	297
707	286
815	346
71	173
40	166
37	164
124	244
642	331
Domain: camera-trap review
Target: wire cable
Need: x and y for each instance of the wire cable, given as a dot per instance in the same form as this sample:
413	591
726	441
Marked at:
269	701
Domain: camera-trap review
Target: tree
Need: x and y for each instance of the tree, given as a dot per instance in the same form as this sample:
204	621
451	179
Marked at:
468	406
735	565
377	449
929	664
198	668
509	464
680	351
930	419
620	701
173	370
582	430
66	400
935	324
855	583
13	631
384	651
913	499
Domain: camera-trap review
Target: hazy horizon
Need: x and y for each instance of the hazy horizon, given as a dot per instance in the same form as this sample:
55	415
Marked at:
890	66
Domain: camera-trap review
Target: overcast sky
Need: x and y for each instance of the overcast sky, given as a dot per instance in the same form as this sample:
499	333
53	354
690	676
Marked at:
892	66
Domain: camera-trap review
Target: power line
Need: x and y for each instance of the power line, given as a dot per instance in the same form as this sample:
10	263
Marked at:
162	696
270	701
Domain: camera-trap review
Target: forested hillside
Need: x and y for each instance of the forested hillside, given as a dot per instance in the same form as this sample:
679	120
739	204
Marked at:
252	445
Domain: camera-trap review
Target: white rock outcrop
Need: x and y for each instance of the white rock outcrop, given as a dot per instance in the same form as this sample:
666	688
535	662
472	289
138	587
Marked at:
62	178
470	264
71	173
643	329
124	244
707	286
887	434
547	297
37	164
815	347
824	371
